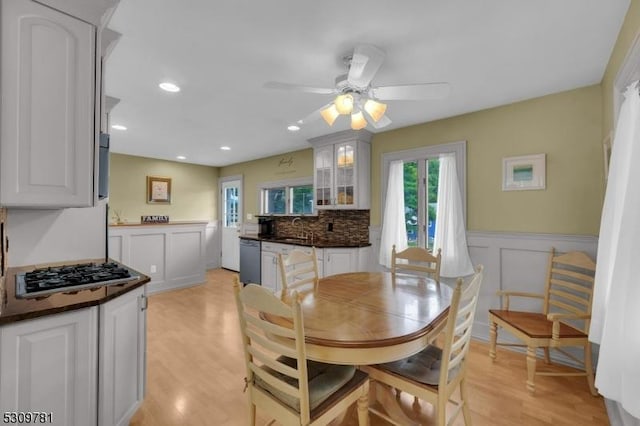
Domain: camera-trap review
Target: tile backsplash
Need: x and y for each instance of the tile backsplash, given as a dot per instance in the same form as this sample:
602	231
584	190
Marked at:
339	226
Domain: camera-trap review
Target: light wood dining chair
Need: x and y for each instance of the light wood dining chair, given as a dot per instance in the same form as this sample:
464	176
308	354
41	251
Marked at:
564	320
416	259
434	373
299	271
289	388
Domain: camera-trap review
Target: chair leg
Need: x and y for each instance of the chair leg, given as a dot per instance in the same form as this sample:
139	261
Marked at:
531	368
363	407
252	414
466	413
588	366
441	411
493	338
547	358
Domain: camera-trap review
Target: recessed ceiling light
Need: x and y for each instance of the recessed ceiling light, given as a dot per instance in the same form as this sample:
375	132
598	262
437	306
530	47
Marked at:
118	127
169	87
293	128
181	157
225	148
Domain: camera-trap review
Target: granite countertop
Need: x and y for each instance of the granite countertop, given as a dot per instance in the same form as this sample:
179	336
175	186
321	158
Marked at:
306	243
14	309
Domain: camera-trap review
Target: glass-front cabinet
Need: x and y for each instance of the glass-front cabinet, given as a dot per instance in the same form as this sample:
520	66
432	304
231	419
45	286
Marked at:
323	161
342	170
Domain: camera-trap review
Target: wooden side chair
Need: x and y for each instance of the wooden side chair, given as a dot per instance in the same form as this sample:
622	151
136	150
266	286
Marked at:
288	387
434	373
299	271
416	259
564	320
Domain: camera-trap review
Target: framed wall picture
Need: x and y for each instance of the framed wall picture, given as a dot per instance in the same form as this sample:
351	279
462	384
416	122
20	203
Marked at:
158	190
524	173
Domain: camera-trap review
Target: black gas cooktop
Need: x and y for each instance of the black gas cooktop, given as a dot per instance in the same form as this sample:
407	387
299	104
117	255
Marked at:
71	278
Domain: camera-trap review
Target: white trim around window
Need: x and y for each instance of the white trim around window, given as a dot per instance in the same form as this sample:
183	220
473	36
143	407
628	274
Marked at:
457	148
286	183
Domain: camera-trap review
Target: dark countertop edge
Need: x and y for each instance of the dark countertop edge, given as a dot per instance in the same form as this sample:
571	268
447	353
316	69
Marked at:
110	293
184	222
305	244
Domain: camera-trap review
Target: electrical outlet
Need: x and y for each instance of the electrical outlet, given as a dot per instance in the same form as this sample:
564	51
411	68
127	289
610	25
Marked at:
249	216
153	269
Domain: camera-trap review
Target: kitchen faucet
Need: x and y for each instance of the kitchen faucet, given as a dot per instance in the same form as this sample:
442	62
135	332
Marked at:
293	223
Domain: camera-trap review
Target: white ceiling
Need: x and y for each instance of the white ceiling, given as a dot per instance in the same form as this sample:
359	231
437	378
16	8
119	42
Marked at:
492	52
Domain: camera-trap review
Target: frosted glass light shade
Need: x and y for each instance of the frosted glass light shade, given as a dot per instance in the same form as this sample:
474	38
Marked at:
330	114
344	103
357	121
375	109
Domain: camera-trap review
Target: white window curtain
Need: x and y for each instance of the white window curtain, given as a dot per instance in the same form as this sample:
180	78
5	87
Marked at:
394	228
450	235
615	323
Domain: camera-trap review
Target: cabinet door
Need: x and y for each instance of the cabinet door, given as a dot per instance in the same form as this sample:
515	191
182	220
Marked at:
48	90
49	365
122	357
345	172
269	270
339	261
323	177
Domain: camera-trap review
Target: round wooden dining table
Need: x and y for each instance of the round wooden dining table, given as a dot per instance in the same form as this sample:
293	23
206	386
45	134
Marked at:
364	318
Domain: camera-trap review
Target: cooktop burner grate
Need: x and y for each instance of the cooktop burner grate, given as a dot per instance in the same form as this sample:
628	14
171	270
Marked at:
71	278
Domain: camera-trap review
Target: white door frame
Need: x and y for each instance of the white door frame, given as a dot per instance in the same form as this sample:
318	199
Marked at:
221	182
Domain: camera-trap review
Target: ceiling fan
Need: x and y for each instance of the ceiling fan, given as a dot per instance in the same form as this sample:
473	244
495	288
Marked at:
356	96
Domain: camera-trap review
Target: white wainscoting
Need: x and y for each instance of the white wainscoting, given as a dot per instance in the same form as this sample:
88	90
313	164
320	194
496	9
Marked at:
177	253
512	261
213	242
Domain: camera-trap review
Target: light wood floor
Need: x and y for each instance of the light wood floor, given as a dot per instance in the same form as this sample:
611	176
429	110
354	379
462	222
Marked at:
195	372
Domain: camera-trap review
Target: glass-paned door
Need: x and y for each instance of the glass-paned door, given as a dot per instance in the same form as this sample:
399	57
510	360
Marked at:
421	200
231	192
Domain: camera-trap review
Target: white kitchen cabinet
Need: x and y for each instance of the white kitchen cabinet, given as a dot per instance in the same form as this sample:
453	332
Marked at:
48	88
269	272
49	365
122	357
343	260
342	170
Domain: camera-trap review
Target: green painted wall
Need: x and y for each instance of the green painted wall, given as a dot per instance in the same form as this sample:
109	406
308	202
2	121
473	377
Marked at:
291	165
630	29
193	194
565	126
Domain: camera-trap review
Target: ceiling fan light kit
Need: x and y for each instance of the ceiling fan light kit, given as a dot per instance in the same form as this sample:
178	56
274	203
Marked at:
344	103
357	121
330	114
375	109
355	92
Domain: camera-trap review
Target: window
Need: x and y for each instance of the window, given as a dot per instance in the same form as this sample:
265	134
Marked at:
421	171
294	196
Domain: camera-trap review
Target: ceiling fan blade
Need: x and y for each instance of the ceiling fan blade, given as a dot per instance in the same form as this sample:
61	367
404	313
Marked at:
364	65
383	122
299	88
412	92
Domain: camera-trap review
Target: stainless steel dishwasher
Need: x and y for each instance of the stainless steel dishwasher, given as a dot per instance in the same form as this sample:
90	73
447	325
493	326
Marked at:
249	261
